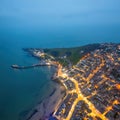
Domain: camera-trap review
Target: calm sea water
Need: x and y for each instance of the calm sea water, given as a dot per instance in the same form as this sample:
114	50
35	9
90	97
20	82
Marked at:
22	89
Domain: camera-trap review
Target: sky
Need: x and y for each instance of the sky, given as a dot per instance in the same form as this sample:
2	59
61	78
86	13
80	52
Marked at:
58	13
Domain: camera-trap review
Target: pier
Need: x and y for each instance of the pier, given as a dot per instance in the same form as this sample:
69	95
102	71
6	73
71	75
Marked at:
34	65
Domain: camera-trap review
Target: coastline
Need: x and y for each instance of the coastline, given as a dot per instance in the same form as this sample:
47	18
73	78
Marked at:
45	108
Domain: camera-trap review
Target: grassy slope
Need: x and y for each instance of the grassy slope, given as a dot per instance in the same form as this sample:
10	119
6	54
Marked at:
73	54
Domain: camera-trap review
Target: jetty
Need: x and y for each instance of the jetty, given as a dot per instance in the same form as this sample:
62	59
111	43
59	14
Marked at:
34	65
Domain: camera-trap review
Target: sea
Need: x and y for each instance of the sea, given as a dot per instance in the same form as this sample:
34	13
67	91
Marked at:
20	90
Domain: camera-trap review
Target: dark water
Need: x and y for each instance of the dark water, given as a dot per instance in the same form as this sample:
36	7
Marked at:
21	89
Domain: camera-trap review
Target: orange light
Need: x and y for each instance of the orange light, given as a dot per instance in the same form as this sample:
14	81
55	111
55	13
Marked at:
118	86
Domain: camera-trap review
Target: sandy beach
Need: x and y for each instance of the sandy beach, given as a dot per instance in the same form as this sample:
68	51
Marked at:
43	110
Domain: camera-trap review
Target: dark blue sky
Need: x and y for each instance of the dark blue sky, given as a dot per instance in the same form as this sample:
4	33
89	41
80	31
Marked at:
60	13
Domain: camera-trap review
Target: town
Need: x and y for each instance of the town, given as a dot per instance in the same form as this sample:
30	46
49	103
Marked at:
92	86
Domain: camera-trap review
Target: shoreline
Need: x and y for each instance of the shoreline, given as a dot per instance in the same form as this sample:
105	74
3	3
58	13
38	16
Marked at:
45	108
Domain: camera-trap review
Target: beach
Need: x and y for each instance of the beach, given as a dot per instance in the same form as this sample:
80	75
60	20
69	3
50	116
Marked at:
44	109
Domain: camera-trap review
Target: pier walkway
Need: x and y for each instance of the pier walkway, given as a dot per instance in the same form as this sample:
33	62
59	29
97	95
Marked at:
34	65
